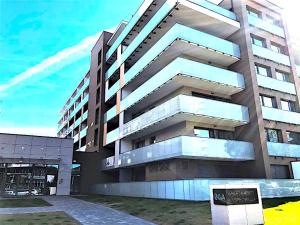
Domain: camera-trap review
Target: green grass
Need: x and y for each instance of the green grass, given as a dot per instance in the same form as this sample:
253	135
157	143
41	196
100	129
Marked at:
167	212
49	218
23	202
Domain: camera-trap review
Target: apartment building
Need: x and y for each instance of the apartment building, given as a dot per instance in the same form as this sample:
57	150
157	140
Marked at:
192	93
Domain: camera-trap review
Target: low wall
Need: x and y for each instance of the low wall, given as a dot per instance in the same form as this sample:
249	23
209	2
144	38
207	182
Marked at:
194	190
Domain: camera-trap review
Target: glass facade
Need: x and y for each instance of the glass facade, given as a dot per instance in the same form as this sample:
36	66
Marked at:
28	179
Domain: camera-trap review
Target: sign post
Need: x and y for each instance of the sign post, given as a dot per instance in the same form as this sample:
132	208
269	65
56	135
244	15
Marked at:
236	204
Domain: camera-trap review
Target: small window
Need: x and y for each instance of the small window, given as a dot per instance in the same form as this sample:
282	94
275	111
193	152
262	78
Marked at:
99	57
280	172
258	41
273	135
263	70
293	137
288	106
277	48
204	133
282	76
98	96
99	76
96	137
253	12
268	101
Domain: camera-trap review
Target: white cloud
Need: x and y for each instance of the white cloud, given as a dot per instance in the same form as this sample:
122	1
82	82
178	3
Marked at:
44	131
64	57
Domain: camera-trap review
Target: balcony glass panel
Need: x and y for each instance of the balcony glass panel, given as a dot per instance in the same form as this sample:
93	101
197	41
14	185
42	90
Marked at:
186	146
271	55
112	90
83	132
199	107
189	68
84	116
111	113
283	150
112	136
298	70
79	92
259	23
280	115
275	84
80	105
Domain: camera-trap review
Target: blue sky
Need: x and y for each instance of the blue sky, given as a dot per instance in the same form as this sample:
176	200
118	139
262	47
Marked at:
31	31
37	75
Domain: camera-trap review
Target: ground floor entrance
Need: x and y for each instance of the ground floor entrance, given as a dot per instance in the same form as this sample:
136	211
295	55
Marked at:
18	179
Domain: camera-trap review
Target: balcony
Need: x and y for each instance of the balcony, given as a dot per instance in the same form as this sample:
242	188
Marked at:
76	138
274	84
222	22
283	150
261	24
271	55
187	108
83	132
298	70
178	41
186	147
280	115
80	106
112	136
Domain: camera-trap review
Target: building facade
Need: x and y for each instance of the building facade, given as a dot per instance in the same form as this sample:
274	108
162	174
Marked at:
195	90
34	165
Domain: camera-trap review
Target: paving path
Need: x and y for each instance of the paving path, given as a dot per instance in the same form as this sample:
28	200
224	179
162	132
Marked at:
85	212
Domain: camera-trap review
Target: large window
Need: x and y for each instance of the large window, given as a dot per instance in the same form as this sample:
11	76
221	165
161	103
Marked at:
277	48
258	41
97	115
263	70
293	137
282	76
273	21
99	76
273	135
268	101
99	57
288	106
98	96
253	12
213	133
96	134
280	172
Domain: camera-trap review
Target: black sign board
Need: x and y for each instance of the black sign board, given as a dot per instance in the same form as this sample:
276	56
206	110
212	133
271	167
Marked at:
235	196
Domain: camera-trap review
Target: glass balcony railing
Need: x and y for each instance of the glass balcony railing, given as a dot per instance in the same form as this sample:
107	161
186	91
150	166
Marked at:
187	146
79	106
113	90
111	113
178	31
83	132
77	122
259	23
274	84
298	70
208	110
283	150
271	55
224	78
164	10
76	138
84	116
112	136
280	115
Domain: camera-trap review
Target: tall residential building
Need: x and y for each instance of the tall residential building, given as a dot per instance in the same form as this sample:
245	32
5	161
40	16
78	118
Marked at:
191	89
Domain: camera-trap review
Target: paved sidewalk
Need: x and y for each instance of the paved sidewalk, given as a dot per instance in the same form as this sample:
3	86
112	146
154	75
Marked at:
86	213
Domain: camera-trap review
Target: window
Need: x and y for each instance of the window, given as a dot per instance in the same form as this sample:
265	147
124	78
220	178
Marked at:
277	48
224	134
204	133
258	41
280	172
99	57
96	137
273	135
97	116
253	12
293	137
263	70
288	106
153	140
98	96
282	76
138	144
99	76
273	21
267	101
